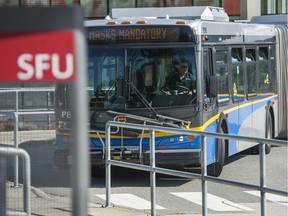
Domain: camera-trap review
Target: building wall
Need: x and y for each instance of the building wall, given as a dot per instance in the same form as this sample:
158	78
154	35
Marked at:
248	9
100	8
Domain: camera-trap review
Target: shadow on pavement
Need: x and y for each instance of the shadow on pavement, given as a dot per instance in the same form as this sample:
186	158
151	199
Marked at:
43	171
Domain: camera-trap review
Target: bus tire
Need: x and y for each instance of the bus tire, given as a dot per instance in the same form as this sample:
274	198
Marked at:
216	168
268	134
97	171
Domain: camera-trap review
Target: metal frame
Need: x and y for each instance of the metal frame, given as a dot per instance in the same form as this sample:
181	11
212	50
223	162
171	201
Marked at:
203	176
18	112
11	151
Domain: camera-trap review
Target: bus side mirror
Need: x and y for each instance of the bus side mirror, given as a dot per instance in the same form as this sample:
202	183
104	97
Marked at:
211	86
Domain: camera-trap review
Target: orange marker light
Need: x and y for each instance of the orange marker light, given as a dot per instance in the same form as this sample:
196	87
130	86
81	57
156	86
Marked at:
126	22
141	22
111	23
190	137
181	22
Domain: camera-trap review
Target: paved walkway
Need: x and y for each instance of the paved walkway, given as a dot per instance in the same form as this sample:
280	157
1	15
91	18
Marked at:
50	205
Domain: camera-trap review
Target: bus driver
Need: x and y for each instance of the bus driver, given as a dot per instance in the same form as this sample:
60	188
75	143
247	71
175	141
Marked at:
182	81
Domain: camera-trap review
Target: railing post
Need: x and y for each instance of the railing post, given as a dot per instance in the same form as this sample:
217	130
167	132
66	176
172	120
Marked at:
16	127
203	174
152	173
10	151
108	166
263	178
27	182
3	179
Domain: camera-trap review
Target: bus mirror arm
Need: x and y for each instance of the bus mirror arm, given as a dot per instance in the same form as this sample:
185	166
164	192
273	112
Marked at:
211	86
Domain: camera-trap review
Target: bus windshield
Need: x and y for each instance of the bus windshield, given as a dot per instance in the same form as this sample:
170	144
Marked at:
141	78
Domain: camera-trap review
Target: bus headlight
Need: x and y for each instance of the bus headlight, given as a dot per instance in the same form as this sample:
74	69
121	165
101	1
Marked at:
171	139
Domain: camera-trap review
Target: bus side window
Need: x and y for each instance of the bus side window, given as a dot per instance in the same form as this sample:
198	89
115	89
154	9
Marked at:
264	77
273	77
237	74
251	72
222	76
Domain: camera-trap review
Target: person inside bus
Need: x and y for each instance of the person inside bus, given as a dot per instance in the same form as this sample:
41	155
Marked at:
182	79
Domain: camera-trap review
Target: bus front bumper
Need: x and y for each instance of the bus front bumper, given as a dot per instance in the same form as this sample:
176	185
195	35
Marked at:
164	158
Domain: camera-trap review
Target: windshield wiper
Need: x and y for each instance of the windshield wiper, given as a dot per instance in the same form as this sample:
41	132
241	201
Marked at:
160	118
142	99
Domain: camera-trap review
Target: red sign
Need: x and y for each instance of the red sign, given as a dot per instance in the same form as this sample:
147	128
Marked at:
232	7
37	56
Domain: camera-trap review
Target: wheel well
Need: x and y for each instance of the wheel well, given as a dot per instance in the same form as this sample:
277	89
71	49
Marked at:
271	112
224	127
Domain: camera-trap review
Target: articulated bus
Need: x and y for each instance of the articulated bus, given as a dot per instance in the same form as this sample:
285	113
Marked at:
229	84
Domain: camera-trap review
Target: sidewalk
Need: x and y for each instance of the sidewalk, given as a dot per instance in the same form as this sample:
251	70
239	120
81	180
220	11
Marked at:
50	205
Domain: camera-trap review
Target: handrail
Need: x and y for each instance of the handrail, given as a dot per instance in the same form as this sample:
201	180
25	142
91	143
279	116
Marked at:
11	151
16	112
203	176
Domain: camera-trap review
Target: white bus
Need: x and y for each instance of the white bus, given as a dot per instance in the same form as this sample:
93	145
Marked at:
185	67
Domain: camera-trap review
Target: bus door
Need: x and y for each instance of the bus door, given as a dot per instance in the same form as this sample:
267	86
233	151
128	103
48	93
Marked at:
210	93
209	78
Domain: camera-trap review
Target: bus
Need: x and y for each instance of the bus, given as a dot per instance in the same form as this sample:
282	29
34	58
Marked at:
226	79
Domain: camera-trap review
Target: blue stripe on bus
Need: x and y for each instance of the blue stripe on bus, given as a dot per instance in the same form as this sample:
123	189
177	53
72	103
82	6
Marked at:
235	120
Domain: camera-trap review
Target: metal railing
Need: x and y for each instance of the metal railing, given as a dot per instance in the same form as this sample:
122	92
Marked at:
16	113
203	176
11	151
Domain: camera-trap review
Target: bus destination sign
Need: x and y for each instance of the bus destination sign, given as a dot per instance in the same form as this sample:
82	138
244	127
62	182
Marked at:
117	34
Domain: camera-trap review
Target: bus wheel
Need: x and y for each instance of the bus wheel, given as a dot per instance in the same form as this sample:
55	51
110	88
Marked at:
216	168
269	135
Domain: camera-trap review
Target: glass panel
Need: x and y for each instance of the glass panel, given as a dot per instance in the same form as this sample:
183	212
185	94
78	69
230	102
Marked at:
161	77
236	55
62	2
264	79
205	69
251	80
105	83
282	6
150	3
94	8
238	83
122	4
207	3
149	76
9	3
222	84
263	53
273	69
172	3
221	57
35	2
250	55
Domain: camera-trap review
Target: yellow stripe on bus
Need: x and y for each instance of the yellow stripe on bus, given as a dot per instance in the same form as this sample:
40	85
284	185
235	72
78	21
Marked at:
214	118
200	128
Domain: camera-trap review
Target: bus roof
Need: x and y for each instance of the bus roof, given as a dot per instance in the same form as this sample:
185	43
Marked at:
187	13
208	21
271	19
